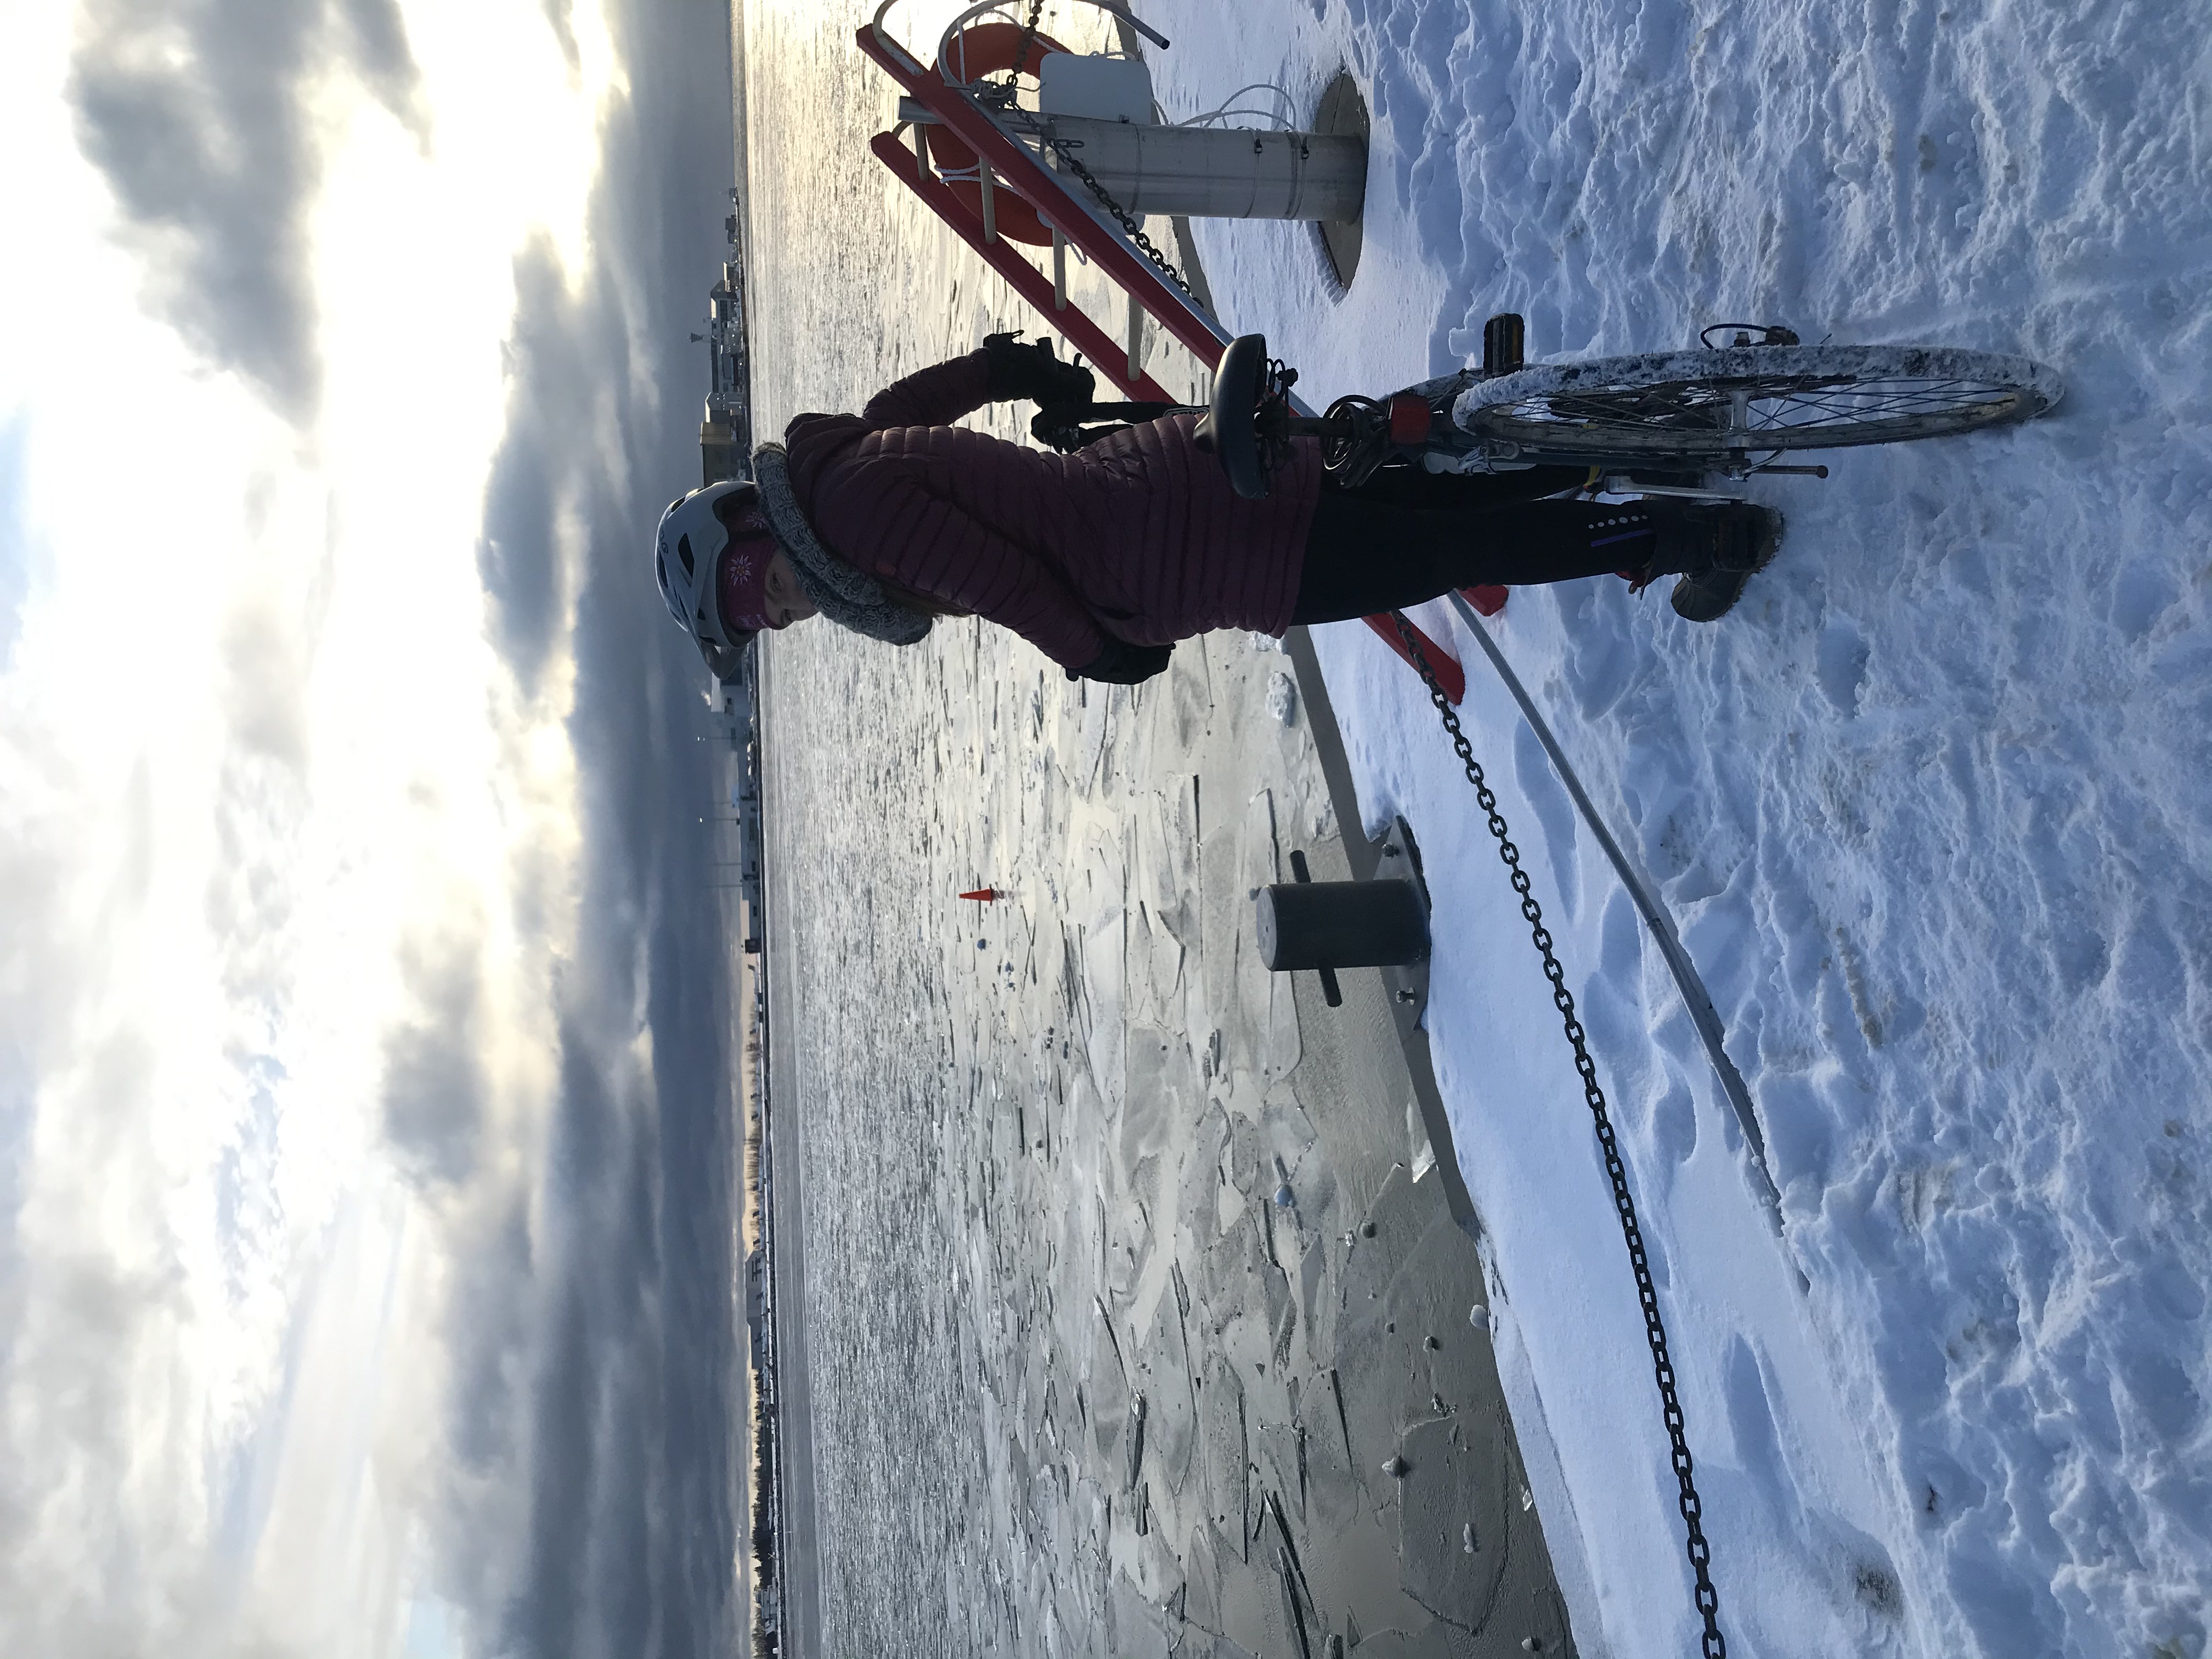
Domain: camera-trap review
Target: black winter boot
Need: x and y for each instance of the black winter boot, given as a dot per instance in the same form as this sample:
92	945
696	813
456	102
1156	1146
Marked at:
1715	547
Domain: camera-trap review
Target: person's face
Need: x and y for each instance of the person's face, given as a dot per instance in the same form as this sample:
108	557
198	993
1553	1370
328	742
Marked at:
782	599
781	596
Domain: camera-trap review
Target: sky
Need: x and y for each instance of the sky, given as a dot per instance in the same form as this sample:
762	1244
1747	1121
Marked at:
364	999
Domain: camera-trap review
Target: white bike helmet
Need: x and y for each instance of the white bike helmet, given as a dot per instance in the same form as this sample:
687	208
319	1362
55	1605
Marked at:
685	550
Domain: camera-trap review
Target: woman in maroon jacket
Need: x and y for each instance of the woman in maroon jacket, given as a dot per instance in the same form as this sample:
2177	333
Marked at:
1105	558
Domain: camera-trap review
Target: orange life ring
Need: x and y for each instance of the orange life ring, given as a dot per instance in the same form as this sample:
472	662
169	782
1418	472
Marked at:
989	49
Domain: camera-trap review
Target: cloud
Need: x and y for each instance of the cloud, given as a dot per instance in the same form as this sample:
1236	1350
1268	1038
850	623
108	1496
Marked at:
14	533
81	1325
588	1364
433	1081
263	674
380	53
562	361
597	1368
561	18
196	112
597	1371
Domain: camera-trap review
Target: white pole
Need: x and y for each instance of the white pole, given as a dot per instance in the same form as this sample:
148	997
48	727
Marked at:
1211	173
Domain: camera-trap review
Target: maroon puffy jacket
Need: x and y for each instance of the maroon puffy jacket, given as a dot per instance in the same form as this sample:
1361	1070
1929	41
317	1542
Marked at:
1139	536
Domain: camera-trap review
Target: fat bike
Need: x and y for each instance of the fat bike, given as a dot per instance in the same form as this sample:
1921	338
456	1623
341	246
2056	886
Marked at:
1691	422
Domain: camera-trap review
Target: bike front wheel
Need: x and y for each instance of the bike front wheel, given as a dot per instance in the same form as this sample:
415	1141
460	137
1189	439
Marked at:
1718	406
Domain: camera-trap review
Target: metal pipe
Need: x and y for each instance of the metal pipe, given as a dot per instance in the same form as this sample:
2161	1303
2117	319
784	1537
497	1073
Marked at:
1209	172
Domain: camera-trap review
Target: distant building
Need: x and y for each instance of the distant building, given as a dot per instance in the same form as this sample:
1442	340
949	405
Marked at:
723	452
726	434
733	701
756	1307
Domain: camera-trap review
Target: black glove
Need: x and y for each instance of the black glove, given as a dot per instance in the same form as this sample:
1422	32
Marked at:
1058	428
1123	664
1032	372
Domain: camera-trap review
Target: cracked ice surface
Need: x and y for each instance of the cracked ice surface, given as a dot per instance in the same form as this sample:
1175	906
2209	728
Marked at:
1125	1318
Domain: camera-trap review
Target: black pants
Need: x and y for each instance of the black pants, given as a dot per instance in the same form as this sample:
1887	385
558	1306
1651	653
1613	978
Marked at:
1408	535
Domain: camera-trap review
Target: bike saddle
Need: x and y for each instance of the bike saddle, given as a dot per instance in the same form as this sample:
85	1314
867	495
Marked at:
1228	430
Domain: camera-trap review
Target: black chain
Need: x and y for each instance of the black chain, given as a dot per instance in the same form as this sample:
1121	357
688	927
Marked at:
1715	1646
1022	52
1130	227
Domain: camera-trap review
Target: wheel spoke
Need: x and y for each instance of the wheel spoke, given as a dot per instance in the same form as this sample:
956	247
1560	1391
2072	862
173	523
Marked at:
1778	403
1720	406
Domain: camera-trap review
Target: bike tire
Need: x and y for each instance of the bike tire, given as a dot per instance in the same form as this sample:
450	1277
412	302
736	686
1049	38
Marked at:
1682	403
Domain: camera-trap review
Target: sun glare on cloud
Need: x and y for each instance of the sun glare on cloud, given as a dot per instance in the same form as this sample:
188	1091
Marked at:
271	797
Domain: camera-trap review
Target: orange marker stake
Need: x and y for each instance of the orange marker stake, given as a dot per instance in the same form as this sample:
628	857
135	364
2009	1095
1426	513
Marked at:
982	895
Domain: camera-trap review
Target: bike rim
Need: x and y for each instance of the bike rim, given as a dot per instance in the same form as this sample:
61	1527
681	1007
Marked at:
1715	414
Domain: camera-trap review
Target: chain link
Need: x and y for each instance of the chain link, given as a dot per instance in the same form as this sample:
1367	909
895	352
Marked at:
1714	1646
1022	52
1130	227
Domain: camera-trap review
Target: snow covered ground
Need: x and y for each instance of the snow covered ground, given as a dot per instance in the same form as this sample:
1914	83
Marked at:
1932	808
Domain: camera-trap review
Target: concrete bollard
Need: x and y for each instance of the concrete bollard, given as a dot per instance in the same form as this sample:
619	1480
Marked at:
1341	924
1221	173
